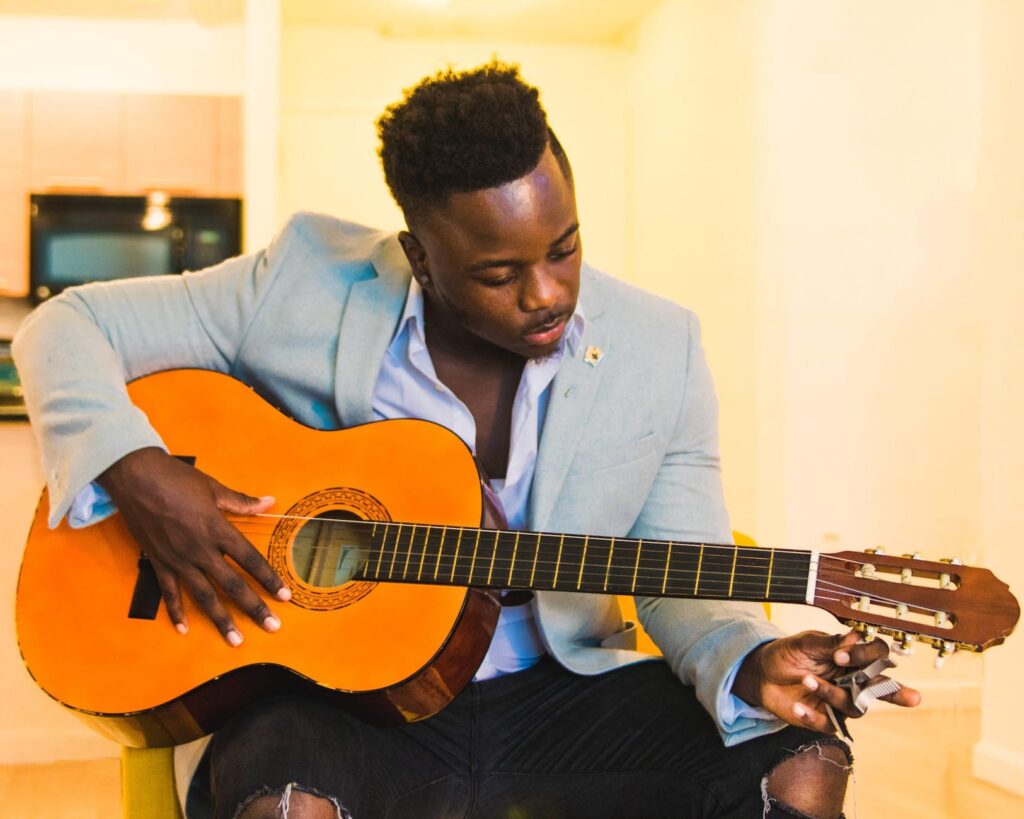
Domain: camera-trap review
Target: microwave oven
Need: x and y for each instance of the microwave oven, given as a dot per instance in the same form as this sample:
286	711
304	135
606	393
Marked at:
76	239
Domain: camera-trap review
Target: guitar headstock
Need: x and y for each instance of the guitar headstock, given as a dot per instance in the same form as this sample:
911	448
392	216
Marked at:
943	603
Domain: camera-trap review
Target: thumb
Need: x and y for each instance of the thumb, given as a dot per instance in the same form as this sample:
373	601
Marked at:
228	500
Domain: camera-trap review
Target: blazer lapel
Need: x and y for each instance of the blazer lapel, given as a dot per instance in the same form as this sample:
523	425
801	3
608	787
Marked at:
572	393
368	322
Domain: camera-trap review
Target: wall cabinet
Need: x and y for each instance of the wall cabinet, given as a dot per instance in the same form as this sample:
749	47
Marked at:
75	141
123	144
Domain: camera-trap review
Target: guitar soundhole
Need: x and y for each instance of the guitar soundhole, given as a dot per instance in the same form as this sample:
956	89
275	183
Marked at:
323	543
330	549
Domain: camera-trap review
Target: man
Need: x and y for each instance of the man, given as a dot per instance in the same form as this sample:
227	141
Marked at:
589	407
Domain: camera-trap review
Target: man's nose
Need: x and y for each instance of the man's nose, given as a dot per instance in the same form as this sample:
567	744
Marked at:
540	290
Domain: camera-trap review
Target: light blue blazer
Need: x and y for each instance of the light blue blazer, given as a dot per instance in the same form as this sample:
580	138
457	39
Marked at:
628	447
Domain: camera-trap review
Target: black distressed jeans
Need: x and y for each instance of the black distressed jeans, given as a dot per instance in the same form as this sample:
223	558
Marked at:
540	743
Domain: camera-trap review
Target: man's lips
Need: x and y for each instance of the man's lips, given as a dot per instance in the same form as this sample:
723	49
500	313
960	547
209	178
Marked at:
547	333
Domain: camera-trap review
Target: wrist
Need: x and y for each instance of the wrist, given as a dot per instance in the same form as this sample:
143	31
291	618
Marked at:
747	685
125	470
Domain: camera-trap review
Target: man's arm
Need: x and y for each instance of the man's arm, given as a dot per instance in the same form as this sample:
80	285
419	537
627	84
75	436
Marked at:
74	356
704	641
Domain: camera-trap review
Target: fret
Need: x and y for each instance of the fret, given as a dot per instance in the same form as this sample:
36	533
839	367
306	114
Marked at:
455	560
715	565
623	565
494	555
394	551
789	580
751	564
570	548
423	556
536	552
380	551
668	559
476	545
732	572
512	563
595	563
583	562
558	563
608	568
636	566
700	564
440	551
768	585
408	552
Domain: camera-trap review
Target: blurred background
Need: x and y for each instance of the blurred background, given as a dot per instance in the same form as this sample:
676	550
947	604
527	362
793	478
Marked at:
835	186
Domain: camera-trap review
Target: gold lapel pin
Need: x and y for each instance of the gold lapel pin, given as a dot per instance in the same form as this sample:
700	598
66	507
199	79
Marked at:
593	355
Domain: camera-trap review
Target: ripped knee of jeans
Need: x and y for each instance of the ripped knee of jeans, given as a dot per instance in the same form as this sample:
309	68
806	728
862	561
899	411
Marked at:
810	783
279	803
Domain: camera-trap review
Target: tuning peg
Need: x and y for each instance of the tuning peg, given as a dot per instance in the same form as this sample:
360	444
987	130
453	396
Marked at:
865	603
912	556
945	650
877	550
901	609
955	561
940	618
906	575
944	580
870	632
867	570
903	644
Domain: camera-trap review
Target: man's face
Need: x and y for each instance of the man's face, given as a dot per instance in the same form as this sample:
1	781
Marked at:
503	264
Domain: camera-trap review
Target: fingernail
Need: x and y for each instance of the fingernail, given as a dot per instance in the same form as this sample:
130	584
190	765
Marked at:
842	658
181	628
284	593
810	683
799	710
234	638
271	623
267	499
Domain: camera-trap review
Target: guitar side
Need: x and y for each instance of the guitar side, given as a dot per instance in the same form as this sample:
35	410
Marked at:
393	652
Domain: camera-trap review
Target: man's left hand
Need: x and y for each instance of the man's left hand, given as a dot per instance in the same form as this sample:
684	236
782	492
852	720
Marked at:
790	677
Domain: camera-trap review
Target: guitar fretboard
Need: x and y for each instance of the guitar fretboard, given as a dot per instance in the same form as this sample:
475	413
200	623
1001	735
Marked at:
489	558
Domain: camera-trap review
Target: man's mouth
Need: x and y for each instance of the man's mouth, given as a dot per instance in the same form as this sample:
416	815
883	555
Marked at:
546	333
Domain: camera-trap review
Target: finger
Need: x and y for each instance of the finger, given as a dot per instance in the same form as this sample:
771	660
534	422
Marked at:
228	500
171	593
237	589
838	698
206	598
906	697
812	718
862	654
254	563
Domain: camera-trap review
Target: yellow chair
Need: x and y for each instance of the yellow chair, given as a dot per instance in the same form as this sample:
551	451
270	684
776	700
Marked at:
147	774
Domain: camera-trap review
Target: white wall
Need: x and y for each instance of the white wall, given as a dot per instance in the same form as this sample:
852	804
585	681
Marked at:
170	57
336	82
806	176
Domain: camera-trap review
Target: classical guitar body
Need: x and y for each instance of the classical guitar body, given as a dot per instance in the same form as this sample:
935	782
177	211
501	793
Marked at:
96	637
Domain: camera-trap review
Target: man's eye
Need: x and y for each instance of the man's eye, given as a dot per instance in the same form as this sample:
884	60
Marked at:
563	254
499	282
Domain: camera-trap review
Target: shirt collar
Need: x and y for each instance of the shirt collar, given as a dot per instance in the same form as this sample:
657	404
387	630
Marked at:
412	322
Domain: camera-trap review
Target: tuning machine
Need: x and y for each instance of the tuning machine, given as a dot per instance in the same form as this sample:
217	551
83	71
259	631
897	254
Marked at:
945	648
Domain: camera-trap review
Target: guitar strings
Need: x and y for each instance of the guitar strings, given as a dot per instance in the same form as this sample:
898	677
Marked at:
258	527
647	563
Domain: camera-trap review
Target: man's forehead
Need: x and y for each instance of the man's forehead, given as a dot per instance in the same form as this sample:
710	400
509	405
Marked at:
540	202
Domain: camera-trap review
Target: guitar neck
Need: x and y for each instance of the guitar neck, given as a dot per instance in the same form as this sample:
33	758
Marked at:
490	558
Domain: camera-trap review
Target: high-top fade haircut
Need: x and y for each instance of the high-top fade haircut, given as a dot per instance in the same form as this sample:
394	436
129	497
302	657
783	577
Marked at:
462	131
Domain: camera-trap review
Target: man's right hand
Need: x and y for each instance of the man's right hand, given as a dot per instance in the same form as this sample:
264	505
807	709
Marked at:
175	512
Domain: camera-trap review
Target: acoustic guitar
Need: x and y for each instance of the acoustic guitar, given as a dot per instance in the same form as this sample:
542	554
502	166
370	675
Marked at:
394	581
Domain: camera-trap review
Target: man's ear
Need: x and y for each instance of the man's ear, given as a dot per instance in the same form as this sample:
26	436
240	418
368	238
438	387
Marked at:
417	257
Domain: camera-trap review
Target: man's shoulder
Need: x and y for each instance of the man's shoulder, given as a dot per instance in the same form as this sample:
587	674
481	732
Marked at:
633	310
329	239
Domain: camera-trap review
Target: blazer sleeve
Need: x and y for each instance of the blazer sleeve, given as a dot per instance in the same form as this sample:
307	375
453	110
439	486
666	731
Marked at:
76	352
702	640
